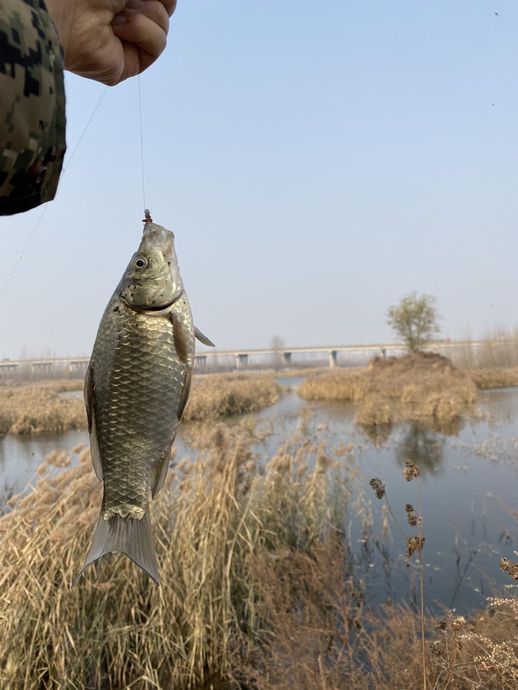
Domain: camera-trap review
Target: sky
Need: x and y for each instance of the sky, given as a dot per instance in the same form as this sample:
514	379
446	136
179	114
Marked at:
316	161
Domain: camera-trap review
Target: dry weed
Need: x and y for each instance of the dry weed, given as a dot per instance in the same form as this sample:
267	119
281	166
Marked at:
39	408
422	386
220	520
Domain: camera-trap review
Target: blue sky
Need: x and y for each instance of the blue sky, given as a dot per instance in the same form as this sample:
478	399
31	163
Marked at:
317	161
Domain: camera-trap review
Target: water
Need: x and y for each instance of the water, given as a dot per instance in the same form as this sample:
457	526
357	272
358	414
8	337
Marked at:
469	488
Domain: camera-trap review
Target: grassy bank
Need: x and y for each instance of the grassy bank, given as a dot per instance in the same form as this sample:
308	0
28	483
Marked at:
417	387
257	591
40	408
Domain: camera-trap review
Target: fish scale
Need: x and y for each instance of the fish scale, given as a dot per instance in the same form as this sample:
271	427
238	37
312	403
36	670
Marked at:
136	389
135	362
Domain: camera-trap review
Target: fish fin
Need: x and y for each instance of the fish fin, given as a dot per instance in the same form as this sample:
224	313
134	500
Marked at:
125	535
203	338
181	340
161	474
185	393
89	394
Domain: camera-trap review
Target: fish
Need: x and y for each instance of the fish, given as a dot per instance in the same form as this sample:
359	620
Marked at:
136	388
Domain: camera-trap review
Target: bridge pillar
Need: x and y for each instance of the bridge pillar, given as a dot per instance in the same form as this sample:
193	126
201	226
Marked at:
42	367
6	369
200	361
241	360
286	356
333	358
77	366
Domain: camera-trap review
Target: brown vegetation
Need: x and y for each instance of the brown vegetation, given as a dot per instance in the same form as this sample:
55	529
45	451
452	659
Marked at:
37	408
256	594
218	396
40	408
222	522
421	386
496	377
499	348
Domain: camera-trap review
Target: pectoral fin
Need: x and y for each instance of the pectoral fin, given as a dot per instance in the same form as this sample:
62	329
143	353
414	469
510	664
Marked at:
89	394
203	338
181	338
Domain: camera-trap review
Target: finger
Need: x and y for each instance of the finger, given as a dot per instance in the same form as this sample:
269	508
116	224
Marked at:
153	9
170	6
142	39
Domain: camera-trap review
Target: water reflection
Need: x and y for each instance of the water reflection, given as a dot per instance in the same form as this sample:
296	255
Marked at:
377	434
422	446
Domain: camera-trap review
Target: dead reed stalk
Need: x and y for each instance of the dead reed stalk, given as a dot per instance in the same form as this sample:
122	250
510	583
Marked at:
220	517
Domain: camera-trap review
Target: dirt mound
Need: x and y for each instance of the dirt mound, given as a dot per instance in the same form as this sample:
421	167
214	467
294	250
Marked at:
421	386
431	361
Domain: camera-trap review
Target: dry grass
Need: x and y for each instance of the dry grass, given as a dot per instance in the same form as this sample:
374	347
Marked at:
34	409
256	592
497	377
39	408
418	387
499	349
221	519
218	396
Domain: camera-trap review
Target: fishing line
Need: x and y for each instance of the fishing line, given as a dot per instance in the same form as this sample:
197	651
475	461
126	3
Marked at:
71	158
32	233
141	143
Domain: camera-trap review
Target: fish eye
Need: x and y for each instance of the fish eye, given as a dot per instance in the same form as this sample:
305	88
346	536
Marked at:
141	262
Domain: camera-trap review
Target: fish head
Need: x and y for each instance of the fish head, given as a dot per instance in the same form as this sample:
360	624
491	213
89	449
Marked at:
152	279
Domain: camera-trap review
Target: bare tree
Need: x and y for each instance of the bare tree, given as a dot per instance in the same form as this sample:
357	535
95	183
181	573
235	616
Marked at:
414	320
277	345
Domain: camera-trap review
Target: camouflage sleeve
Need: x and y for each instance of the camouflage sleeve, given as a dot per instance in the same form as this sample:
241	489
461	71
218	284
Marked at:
32	106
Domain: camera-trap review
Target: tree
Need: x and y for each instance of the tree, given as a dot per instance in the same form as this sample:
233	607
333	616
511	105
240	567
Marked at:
414	320
277	345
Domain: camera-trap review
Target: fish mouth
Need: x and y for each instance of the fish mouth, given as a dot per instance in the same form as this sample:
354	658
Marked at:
156	310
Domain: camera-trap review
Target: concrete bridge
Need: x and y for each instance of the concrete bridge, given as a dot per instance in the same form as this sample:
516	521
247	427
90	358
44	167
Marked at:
242	359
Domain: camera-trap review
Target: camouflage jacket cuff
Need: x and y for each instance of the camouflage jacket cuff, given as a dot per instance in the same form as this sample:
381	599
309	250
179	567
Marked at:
32	106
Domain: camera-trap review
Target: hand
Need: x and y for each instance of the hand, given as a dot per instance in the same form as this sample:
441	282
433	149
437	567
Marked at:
111	40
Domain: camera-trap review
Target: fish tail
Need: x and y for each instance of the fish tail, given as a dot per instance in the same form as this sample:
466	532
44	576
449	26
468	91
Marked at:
125	535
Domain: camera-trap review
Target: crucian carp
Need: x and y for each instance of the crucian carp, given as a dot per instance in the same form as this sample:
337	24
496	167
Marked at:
136	389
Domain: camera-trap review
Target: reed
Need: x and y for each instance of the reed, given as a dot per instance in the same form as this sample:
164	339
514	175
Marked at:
220	523
498	349
35	409
257	591
495	377
418	387
218	396
40	408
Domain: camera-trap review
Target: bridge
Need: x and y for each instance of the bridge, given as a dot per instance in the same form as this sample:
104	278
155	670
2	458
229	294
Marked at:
245	359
